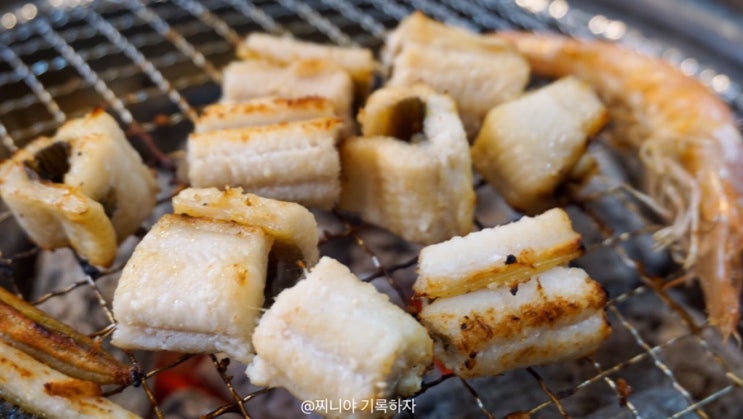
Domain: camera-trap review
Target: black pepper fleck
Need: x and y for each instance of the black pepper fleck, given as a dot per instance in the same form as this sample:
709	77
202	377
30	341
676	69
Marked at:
510	259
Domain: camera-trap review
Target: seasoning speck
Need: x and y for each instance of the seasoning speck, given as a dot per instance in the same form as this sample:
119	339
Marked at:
624	390
161	120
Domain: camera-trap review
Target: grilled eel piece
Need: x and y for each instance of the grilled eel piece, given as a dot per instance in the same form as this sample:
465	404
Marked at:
556	315
251	79
193	285
197	281
36	389
358	62
479	72
291	161
333	336
501	256
529	146
86	188
51	370
61	347
410	172
502	298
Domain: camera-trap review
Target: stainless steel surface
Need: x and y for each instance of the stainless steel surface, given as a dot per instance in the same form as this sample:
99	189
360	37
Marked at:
154	64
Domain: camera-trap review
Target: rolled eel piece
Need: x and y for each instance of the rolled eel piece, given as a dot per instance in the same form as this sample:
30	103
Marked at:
358	62
477	71
556	315
193	285
527	147
292	226
293	161
107	168
86	188
410	172
499	256
251	79
262	111
333	337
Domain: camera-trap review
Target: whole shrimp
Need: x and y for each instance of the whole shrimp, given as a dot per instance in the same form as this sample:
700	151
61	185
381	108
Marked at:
688	143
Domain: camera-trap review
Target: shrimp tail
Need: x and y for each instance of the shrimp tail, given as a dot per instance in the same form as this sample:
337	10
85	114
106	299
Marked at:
721	279
688	143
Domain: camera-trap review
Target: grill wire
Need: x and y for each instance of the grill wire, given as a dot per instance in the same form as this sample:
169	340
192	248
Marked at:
154	64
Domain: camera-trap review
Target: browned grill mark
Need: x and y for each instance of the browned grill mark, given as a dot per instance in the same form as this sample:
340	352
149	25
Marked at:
478	330
23	372
305	102
72	389
248	134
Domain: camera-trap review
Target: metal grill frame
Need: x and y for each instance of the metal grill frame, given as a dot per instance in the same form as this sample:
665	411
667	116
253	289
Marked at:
62	25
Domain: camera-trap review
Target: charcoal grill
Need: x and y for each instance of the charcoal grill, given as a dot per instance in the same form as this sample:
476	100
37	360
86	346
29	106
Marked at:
154	64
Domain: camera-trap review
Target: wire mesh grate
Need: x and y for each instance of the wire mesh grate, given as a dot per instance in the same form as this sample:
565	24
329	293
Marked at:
154	64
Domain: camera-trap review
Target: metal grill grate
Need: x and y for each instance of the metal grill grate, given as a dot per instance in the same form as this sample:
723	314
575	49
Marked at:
153	64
